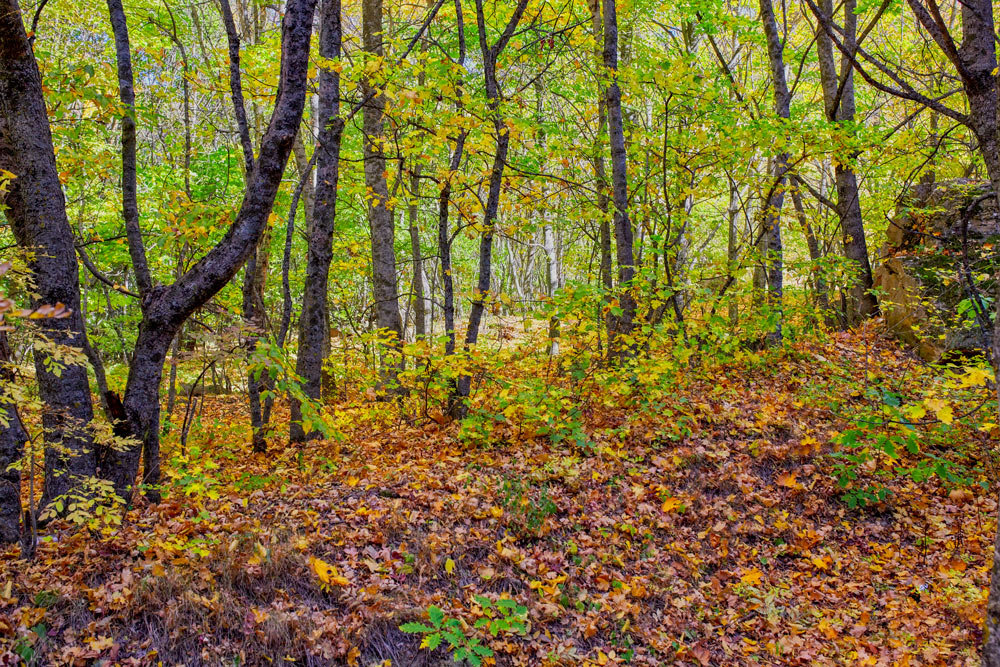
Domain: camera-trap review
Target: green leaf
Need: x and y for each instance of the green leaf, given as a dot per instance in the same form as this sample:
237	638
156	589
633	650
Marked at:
436	615
415	628
484	651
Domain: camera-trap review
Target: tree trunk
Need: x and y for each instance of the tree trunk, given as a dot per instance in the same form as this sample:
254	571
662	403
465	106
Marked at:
420	288
838	99
444	197
168	307
600	172
12	439
481	292
380	214
36	210
776	195
623	322
313	332
130	204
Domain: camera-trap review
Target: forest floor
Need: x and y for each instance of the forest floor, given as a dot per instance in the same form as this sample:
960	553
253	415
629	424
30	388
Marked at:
710	531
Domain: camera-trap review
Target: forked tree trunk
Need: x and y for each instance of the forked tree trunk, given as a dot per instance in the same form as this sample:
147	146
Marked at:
463	387
838	98
313	332
166	308
36	210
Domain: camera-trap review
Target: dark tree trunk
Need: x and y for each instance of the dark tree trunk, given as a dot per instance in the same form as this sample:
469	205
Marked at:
130	203
444	198
167	308
12	439
444	245
776	195
822	297
838	99
36	210
420	288
313	333
490	54
625	321
255	270
303	189
600	171
380	215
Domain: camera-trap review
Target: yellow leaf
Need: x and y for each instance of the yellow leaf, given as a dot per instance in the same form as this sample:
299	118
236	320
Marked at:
975	377
497	512
449	566
327	573
753	577
822	563
670	504
941	409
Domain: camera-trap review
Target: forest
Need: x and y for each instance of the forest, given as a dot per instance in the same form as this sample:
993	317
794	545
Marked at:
499	332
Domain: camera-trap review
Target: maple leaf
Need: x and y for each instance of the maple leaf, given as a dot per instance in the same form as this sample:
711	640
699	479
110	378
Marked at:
941	408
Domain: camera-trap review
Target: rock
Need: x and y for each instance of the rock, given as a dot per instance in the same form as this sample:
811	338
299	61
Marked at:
925	301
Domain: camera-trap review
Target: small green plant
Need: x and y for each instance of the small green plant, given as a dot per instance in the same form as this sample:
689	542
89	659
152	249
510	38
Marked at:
505	615
449	630
527	506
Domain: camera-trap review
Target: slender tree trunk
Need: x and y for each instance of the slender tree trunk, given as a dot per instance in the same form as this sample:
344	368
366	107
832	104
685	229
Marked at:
776	196
36	210
600	172
420	288
313	332
380	214
624	322
838	98
732	213
444	199
481	292
130	204
12	440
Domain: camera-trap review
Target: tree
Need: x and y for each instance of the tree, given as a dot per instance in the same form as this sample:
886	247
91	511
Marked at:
624	321
490	54
779	169
164	308
839	106
313	328
974	61
380	211
36	209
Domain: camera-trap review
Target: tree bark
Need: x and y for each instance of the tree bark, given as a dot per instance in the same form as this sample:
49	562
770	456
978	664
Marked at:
776	195
420	288
380	213
36	209
12	440
625	321
838	99
313	332
481	292
130	203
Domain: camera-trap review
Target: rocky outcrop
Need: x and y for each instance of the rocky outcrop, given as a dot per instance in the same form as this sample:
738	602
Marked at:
941	235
